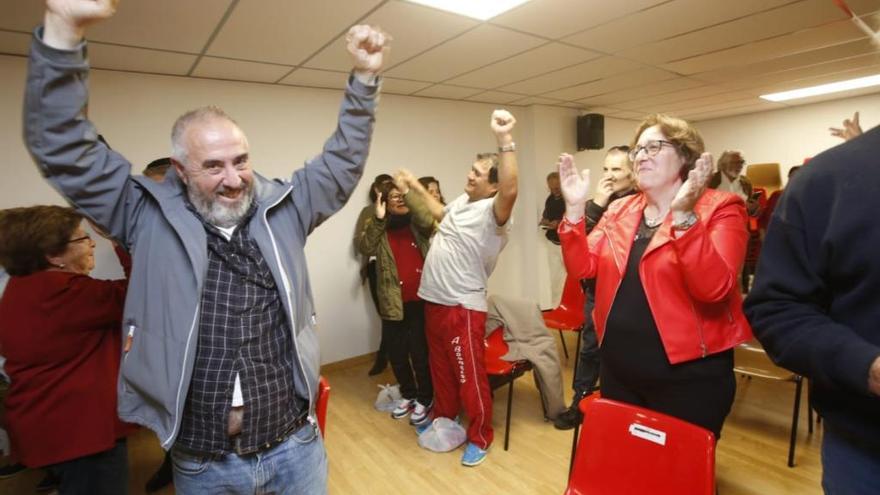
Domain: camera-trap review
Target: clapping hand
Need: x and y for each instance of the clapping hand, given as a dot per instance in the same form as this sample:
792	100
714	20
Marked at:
689	192
575	186
380	206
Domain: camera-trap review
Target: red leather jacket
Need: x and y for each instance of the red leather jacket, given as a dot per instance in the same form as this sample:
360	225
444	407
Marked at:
690	282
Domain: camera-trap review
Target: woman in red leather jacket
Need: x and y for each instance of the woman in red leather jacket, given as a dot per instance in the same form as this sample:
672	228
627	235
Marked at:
668	310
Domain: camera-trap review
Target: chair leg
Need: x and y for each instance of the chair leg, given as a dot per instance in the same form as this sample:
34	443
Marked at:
574	443
577	352
540	394
794	419
809	409
564	347
509	406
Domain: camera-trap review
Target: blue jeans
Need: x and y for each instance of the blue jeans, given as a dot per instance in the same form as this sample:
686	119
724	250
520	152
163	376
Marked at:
847	467
297	466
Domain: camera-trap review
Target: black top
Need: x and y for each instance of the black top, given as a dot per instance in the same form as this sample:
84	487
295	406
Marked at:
631	347
554	208
815	305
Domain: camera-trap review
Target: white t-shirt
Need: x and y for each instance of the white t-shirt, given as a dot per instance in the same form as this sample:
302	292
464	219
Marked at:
463	254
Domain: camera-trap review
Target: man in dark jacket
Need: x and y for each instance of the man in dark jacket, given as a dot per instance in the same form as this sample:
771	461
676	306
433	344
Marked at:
814	304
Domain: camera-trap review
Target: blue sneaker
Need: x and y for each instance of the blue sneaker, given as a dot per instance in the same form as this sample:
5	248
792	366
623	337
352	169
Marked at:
473	455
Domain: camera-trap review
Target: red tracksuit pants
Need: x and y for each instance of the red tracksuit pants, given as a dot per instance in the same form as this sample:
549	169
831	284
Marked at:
455	352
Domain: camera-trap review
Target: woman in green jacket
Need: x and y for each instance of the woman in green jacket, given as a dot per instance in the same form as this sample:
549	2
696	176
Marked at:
398	238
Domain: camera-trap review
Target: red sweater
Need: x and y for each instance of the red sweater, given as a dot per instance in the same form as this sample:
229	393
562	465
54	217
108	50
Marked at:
61	336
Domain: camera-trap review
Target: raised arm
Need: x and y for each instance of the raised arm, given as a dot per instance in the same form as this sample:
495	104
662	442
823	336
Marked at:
422	204
324	185
508	182
61	140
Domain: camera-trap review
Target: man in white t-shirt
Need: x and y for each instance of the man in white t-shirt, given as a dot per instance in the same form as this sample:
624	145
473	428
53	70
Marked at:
473	230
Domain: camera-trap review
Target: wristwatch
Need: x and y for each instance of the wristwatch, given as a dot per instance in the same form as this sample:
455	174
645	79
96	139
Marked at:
687	223
507	147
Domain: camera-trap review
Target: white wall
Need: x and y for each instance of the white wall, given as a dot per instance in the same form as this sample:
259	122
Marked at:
787	136
285	126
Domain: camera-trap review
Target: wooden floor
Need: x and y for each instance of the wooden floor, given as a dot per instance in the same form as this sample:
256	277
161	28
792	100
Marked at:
371	453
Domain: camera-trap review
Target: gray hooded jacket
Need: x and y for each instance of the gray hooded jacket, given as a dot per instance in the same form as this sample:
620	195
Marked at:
168	243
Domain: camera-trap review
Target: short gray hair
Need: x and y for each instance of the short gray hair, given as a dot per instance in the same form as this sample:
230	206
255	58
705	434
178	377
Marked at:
179	150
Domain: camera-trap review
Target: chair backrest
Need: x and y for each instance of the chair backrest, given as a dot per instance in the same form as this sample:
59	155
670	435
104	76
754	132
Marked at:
322	398
765	175
625	449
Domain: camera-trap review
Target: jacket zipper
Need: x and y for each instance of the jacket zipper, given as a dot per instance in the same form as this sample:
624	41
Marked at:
177	415
284	279
699	328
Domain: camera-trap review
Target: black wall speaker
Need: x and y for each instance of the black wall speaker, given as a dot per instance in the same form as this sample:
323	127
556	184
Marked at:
591	132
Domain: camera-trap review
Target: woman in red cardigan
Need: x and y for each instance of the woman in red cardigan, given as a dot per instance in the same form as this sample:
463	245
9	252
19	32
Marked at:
668	309
60	331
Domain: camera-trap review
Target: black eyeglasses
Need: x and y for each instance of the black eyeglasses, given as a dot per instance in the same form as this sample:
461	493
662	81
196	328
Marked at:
78	239
651	148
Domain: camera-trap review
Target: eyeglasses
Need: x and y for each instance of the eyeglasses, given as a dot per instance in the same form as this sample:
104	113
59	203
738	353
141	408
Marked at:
78	239
395	197
651	148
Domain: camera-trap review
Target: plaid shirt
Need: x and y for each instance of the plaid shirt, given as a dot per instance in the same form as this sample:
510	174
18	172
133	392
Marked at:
242	330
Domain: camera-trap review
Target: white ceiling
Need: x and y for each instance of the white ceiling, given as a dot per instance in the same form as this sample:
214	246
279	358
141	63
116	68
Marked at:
699	59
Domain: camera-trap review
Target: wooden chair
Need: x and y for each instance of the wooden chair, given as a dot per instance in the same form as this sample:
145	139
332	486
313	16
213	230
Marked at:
751	360
503	372
628	450
569	315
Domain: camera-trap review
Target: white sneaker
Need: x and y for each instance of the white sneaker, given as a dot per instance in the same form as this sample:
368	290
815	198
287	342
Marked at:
404	407
420	413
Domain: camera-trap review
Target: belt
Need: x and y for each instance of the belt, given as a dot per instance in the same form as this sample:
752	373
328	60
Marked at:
294	427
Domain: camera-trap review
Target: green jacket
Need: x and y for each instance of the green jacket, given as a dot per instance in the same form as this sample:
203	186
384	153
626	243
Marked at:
371	240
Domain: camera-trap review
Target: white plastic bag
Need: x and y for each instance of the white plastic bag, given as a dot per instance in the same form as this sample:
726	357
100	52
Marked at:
388	396
443	435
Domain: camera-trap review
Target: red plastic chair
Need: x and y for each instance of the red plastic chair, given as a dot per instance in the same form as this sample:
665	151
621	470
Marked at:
322	398
629	450
569	315
503	372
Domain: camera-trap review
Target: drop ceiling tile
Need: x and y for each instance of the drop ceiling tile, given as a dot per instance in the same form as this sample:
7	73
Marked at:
799	75
762	106
452	92
14	43
557	18
285	32
723	99
687	94
239	70
316	78
795	61
775	22
570	76
664	21
498	97
537	100
402	86
652	89
164	24
472	50
801	41
637	77
405	22
114	57
540	60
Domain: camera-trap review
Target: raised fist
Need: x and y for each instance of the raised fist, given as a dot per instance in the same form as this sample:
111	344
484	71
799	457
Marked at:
368	46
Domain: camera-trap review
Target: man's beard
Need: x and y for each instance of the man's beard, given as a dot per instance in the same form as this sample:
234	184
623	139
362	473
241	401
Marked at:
218	214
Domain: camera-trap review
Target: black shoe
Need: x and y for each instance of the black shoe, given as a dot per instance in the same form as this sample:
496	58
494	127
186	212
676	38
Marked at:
379	366
161	478
48	483
10	470
569	418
